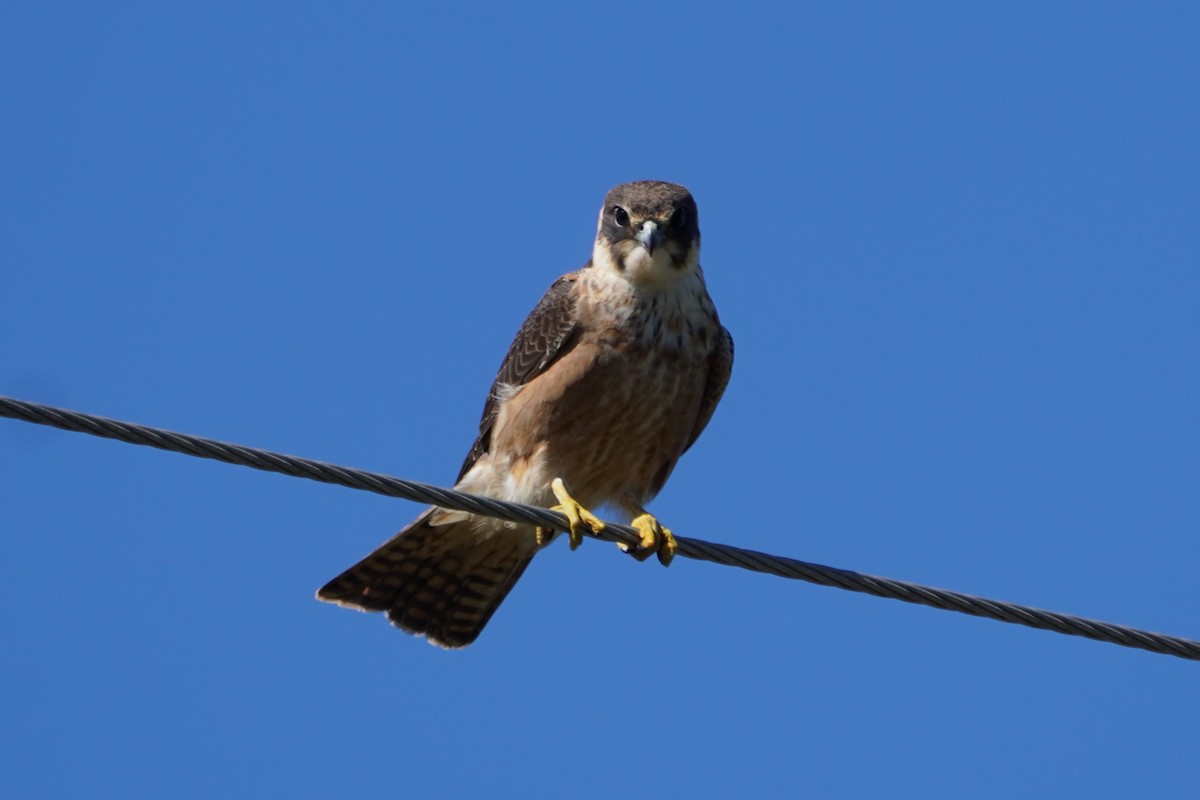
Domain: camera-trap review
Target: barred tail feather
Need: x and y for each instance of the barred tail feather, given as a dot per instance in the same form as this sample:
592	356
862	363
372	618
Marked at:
443	582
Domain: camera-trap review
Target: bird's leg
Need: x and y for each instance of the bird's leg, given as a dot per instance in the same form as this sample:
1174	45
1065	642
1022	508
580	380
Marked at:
655	539
578	517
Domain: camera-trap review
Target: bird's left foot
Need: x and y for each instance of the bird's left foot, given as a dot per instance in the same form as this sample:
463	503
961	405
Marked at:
578	517
655	539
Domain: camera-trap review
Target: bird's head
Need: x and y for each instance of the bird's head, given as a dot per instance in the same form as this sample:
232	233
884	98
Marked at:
648	232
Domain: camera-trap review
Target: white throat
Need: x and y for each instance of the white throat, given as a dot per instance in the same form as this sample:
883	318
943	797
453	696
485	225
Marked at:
643	269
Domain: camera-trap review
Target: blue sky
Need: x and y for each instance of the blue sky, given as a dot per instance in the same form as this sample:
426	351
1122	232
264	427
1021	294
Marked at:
958	248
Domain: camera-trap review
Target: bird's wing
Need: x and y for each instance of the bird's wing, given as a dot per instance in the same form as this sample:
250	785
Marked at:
548	333
720	366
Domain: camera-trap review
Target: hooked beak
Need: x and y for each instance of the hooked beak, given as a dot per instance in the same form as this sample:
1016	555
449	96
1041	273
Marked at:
650	236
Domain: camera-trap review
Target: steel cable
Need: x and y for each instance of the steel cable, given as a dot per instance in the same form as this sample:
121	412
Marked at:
689	548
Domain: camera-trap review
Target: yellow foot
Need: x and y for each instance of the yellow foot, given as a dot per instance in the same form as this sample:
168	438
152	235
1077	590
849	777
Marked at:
578	517
655	539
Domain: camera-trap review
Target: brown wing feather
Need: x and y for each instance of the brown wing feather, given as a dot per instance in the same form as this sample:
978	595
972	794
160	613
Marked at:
720	367
546	335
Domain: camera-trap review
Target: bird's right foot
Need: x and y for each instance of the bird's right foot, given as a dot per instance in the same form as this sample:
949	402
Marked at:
579	519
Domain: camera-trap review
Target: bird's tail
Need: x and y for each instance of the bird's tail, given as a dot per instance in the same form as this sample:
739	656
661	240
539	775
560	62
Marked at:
442	581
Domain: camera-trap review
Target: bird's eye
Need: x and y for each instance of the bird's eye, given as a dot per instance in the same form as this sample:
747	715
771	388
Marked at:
620	216
680	218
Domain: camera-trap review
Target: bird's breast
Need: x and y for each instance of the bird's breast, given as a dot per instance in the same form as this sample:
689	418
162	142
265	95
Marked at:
612	416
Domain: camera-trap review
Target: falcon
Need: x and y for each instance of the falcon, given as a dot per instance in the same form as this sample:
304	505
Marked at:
612	377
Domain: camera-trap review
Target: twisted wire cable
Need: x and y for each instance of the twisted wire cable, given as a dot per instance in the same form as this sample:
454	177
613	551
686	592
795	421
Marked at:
515	512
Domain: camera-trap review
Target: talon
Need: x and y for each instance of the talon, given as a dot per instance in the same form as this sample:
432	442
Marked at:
578	517
655	540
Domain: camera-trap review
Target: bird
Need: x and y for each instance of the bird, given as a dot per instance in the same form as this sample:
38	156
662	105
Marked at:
611	378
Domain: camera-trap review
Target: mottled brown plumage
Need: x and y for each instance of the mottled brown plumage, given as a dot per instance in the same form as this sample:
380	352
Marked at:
611	378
